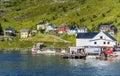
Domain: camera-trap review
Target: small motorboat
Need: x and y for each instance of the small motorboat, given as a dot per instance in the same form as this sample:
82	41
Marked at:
48	51
34	50
39	51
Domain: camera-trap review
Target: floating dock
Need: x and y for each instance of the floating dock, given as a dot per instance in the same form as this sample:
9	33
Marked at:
73	57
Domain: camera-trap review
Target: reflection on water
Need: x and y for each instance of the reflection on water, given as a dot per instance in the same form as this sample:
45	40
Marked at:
16	64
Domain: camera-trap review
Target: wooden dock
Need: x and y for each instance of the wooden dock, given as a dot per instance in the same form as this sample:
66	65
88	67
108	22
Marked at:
69	56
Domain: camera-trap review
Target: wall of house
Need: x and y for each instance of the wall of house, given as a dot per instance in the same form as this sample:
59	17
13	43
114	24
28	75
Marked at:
62	29
101	35
82	31
24	35
49	28
100	39
102	42
40	26
82	42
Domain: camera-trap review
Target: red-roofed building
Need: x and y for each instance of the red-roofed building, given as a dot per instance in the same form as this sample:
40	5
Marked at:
62	28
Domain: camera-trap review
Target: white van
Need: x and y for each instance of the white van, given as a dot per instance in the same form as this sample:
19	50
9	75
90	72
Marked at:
88	50
91	50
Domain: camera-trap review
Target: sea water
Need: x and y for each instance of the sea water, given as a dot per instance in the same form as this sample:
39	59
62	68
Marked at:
17	64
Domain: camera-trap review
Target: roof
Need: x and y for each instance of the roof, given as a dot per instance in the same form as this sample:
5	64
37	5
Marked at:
93	34
62	25
24	30
42	23
111	37
86	35
106	26
83	28
9	28
52	25
73	28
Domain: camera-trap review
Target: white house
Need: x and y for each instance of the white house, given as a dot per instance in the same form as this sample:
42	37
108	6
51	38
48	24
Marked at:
100	39
42	25
24	33
82	29
50	27
72	30
10	32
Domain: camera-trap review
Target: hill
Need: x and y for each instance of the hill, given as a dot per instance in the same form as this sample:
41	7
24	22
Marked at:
27	13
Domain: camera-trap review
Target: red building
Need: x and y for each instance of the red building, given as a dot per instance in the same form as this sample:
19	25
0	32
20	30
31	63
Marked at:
62	28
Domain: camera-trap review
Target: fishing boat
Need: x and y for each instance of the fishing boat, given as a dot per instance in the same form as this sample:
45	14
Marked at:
37	48
48	51
34	51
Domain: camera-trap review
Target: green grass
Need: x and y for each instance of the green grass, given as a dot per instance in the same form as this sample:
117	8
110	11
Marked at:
42	38
29	42
82	12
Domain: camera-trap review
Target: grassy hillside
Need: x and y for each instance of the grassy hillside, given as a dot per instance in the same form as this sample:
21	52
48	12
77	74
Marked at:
27	13
22	14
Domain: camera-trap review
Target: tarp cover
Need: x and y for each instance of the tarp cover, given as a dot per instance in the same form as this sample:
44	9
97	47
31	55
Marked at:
108	51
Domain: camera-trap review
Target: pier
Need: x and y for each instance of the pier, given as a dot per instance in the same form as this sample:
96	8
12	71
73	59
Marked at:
69	56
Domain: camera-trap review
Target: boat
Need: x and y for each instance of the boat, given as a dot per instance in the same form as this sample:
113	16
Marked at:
39	51
37	48
34	51
63	51
48	51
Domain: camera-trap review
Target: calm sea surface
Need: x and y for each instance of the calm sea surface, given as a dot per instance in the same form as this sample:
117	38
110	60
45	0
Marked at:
16	64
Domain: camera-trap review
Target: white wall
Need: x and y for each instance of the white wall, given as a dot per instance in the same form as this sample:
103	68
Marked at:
82	42
24	35
100	42
103	35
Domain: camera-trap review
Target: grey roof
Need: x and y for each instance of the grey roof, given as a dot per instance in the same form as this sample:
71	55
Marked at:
93	34
111	37
52	25
9	28
63	25
73	28
42	22
83	28
86	35
107	26
24	30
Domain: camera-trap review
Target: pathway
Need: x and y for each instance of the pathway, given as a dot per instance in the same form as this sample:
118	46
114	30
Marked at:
59	38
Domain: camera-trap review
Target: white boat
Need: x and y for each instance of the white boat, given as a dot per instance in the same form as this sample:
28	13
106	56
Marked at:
35	51
63	51
48	51
39	51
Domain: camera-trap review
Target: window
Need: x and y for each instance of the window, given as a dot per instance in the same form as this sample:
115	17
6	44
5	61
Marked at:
104	42
95	42
101	37
108	42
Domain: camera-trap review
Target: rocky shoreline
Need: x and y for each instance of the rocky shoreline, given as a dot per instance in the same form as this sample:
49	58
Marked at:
29	49
15	49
